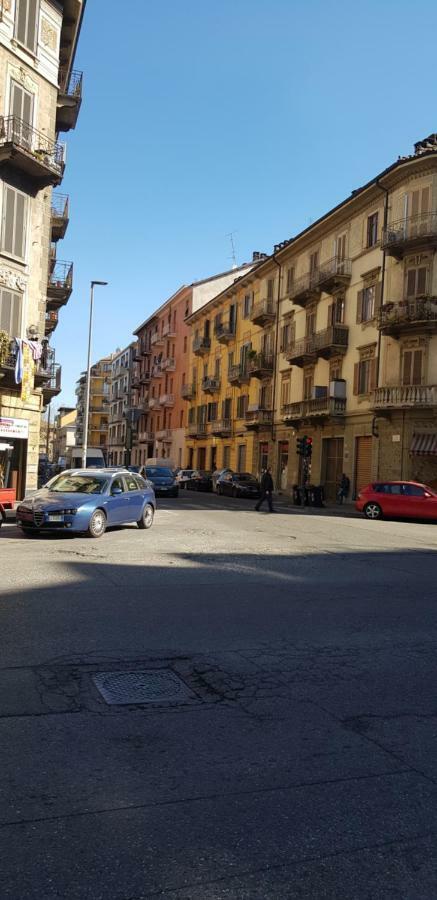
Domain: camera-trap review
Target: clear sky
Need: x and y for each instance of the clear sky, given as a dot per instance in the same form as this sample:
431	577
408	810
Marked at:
202	118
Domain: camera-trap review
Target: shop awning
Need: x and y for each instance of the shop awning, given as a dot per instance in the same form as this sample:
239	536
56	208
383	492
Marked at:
424	444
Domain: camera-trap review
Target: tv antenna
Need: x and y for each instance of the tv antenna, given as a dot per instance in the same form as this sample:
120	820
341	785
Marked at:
233	254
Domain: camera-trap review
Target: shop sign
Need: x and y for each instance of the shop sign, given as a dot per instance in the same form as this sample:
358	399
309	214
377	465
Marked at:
14	428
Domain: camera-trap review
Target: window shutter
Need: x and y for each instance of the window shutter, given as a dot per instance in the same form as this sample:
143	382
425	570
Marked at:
425	200
415	195
356	378
378	296
417	367
406	367
373	374
360	296
331	315
411	282
421	281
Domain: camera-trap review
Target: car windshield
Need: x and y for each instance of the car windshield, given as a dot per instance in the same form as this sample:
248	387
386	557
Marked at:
77	484
158	472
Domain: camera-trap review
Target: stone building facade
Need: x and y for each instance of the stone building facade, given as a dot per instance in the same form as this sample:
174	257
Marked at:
41	96
119	433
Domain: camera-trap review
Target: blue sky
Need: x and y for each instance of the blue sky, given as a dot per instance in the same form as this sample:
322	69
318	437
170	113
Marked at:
201	118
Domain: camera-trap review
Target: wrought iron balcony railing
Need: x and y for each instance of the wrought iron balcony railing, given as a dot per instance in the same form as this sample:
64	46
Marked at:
420	312
307	409
221	427
210	384
418	230
258	418
238	374
332	341
331	274
263	313
188	391
201	345
30	150
224	331
60	282
260	364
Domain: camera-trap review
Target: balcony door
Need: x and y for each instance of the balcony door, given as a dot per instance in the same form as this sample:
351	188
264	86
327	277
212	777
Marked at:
21	107
416	281
418	209
412	367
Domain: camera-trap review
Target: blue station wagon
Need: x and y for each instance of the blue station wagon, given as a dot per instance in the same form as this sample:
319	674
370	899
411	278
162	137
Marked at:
87	501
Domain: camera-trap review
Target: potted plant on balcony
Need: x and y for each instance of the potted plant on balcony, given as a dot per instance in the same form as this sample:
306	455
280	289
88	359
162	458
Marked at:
5	346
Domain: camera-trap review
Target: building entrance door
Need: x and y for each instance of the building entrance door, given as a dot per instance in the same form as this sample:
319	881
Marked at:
332	465
282	465
363	462
213	465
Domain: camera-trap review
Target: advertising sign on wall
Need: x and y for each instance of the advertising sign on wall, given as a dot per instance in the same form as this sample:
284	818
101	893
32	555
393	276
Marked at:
14	428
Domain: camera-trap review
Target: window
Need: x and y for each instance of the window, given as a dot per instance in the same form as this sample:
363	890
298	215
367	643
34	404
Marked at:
287	335
412	490
181	419
372	230
308	382
314	261
131	483
212	412
340	247
14	222
290	279
270	288
368	302
10	313
335	369
26	23
336	312
226	457
310	323
247	306
217	367
227	408
22	107
241	457
412	366
416	281
365	372
285	390
242	403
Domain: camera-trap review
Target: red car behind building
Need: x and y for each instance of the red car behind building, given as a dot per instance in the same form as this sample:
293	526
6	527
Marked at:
397	499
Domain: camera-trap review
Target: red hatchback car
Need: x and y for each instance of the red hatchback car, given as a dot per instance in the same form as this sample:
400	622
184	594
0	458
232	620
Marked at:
402	499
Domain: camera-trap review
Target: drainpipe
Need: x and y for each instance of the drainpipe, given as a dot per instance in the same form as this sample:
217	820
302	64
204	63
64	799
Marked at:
275	357
378	359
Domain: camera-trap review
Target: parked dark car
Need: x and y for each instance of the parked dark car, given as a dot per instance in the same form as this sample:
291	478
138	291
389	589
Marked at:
163	480
238	484
200	481
216	475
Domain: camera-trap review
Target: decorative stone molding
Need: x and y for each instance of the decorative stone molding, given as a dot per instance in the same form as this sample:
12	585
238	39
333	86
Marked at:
20	74
48	35
12	280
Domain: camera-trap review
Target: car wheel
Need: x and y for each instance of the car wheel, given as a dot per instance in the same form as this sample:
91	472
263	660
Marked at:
97	524
372	511
146	520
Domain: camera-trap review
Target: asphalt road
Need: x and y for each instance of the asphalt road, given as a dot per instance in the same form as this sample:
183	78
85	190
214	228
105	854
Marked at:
295	755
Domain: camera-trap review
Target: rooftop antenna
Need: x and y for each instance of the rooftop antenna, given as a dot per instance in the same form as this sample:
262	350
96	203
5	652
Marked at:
233	254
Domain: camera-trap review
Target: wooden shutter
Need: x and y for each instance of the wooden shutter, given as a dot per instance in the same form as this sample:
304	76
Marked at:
417	367
373	370
411	283
415	200
363	462
10	313
26	22
331	315
425	200
360	296
406	366
421	281
356	378
378	295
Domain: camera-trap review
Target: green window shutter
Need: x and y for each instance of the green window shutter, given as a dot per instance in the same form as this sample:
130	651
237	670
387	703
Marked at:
360	296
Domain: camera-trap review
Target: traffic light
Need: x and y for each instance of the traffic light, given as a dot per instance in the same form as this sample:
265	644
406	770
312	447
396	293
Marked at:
308	447
301	445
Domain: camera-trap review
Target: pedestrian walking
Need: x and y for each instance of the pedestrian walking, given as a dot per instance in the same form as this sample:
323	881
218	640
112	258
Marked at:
266	490
343	488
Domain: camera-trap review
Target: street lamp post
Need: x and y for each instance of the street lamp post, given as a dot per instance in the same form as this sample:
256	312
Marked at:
88	374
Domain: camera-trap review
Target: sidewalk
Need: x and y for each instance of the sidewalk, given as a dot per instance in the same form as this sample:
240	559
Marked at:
346	510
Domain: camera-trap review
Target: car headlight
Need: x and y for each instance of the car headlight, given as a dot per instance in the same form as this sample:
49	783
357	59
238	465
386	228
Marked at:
70	512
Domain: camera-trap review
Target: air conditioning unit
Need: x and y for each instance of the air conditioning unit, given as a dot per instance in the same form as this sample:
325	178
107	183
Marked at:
319	391
337	389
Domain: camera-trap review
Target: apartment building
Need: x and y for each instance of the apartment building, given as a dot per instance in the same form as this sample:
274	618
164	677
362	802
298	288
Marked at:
161	371
120	434
345	350
99	405
64	433
41	96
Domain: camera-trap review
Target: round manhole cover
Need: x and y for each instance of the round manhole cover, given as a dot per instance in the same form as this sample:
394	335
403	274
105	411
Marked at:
155	686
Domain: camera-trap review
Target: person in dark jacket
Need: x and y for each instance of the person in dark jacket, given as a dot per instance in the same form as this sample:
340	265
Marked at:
266	490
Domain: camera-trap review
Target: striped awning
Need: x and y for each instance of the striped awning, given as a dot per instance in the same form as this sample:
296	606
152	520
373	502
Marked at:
424	444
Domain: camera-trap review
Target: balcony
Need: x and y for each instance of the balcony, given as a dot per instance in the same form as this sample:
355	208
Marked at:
238	375
422	396
136	356
51	321
197	430
416	315
52	387
333	341
410	234
135	382
60	216
157	371
201	345
153	402
166	400
224	332
69	99
157	339
169	331
263	313
210	385
60	284
168	365
258	418
221	428
316	409
260	365
144	350
31	152
144	378
303	290
188	391
164	435
146	437
332	275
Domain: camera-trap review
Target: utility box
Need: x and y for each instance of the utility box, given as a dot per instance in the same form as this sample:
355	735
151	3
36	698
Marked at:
337	389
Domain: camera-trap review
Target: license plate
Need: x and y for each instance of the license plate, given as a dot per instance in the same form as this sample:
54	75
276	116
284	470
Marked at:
56	518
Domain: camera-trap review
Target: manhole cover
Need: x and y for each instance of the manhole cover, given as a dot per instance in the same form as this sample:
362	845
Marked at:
156	686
